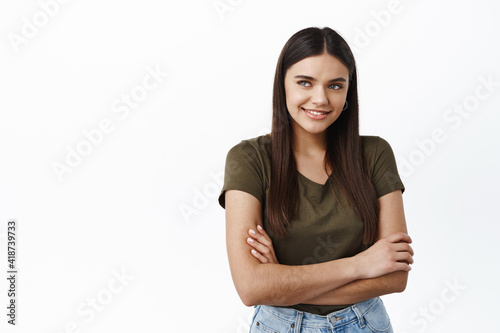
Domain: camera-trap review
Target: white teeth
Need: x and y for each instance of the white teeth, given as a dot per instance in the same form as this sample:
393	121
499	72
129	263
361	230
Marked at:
315	112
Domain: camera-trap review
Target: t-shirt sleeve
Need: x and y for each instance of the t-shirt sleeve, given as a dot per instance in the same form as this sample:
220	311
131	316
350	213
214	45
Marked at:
243	171
385	176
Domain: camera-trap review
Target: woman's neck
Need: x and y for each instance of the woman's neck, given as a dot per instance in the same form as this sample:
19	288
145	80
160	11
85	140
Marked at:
309	144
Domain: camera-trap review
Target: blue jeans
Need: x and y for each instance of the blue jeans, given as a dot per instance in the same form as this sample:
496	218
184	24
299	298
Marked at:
367	316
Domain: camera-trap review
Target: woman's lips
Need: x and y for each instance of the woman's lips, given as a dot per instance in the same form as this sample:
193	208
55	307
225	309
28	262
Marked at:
316	114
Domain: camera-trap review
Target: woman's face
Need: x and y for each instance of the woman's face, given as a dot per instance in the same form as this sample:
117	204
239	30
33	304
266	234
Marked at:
316	91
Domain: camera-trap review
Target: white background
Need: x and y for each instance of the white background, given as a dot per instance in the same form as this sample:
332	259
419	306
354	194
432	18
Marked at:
142	202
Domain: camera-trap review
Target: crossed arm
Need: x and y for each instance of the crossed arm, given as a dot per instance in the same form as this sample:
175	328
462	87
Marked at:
260	279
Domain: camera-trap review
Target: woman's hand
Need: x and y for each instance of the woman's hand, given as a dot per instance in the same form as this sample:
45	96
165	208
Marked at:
390	254
262	246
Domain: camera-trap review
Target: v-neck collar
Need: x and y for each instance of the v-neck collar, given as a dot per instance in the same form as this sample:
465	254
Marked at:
313	182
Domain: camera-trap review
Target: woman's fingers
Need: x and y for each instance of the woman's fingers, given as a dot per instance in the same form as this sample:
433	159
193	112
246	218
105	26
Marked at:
404	257
389	254
261	237
264	233
402	266
259	256
262	244
261	248
403	247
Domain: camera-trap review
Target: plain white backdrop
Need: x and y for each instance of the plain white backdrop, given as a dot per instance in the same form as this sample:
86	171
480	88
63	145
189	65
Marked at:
115	121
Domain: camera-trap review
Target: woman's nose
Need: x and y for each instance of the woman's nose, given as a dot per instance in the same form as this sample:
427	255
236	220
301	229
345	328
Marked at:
319	96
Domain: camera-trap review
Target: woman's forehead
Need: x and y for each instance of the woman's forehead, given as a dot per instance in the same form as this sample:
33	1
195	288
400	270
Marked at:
320	67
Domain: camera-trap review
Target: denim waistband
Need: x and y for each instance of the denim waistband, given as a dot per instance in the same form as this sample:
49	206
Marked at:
337	318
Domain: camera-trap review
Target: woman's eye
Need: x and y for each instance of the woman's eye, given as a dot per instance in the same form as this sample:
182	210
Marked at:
304	83
335	86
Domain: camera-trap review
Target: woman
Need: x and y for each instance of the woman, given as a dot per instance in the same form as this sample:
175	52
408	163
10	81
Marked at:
315	226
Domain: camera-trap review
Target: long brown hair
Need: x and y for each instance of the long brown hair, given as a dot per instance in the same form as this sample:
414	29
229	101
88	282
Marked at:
344	152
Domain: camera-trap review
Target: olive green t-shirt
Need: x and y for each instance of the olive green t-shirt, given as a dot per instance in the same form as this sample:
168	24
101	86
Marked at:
327	228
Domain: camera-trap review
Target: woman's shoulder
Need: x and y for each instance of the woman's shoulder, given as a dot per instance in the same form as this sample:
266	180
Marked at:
258	141
373	143
260	145
382	165
376	149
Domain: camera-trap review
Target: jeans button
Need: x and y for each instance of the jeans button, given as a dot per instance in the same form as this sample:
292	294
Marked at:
335	319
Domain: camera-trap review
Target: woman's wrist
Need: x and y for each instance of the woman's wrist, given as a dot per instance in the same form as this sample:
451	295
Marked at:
356	268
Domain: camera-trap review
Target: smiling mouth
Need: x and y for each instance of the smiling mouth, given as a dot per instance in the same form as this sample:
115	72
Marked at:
316	112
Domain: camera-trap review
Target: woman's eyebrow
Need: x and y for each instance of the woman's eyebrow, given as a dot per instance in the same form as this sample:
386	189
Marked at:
310	78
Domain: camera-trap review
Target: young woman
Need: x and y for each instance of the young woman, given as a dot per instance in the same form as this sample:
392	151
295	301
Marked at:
315	226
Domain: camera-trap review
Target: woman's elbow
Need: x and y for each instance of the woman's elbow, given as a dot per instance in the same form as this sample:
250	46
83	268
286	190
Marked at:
248	291
252	295
247	298
400	282
251	298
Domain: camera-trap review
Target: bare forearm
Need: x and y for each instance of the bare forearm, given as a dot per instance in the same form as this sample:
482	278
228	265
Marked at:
275	284
362	290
